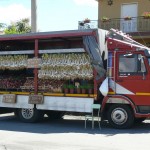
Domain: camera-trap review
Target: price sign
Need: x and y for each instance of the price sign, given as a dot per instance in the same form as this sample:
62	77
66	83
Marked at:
9	98
35	99
34	63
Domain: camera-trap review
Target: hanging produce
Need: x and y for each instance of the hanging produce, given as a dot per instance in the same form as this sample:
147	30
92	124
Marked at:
15	62
66	66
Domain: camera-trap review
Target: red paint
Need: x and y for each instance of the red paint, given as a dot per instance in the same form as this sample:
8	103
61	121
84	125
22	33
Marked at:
46	35
35	69
95	83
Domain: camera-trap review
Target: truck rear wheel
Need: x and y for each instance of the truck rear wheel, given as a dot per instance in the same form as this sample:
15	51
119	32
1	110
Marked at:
120	116
29	115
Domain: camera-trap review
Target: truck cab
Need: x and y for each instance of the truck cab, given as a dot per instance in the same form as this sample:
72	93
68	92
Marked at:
129	81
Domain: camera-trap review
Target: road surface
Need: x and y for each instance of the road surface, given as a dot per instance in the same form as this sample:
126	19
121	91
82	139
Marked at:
69	134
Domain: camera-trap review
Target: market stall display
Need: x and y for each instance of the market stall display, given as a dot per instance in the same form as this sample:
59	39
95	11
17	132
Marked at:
56	72
15	62
66	66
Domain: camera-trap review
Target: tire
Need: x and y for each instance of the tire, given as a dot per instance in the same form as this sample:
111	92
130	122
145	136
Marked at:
52	115
139	120
120	116
29	115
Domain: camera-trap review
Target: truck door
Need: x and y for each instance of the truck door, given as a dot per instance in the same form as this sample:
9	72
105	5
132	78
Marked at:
132	77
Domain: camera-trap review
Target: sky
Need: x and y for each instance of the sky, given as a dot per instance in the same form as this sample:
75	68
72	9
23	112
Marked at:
53	15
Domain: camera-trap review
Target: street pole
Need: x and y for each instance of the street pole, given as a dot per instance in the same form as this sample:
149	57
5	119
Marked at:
33	16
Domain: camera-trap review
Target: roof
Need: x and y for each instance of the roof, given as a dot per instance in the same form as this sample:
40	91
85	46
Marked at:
43	35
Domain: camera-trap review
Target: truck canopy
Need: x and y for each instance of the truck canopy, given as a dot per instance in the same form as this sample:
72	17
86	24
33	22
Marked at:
92	40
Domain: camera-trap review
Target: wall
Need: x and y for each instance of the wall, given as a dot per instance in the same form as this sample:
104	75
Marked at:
114	11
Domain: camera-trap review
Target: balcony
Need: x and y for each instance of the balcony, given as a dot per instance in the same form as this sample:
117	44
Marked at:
134	24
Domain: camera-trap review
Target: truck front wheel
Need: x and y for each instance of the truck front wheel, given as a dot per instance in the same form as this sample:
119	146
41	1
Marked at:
120	116
29	115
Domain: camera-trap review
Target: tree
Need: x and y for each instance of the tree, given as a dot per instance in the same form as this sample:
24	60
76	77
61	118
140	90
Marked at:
21	26
11	29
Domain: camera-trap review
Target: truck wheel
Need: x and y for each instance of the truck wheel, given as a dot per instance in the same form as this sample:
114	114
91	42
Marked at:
120	116
29	115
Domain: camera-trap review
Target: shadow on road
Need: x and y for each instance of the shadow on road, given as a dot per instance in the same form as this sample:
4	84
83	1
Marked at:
10	123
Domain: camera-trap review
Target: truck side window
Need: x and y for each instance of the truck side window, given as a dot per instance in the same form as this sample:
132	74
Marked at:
131	63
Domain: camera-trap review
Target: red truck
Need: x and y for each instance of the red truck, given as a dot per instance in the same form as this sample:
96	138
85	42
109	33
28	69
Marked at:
55	72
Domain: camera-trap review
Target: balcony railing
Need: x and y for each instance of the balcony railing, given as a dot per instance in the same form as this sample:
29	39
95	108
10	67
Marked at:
134	24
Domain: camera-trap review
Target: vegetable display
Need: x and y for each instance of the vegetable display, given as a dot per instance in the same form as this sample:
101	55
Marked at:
11	82
66	66
15	62
46	85
55	70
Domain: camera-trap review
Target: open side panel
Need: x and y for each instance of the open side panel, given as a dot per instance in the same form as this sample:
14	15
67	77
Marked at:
66	104
21	101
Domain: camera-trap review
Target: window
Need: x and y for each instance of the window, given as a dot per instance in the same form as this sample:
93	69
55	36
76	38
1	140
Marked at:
131	63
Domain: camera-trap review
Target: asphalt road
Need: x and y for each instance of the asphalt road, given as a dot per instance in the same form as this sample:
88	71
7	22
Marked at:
69	134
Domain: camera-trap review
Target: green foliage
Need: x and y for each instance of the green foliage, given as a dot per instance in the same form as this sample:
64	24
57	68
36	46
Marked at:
21	26
11	30
65	86
68	86
90	86
71	86
83	86
86	86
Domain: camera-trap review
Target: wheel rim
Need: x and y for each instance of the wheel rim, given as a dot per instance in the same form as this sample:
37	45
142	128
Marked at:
119	116
27	113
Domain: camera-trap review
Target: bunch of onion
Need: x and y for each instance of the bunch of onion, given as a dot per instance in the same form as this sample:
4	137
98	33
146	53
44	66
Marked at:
66	72
15	62
65	59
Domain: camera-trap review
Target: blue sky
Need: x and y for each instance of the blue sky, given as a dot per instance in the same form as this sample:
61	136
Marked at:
52	14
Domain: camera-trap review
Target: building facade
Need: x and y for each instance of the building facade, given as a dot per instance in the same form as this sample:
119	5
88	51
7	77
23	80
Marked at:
130	16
